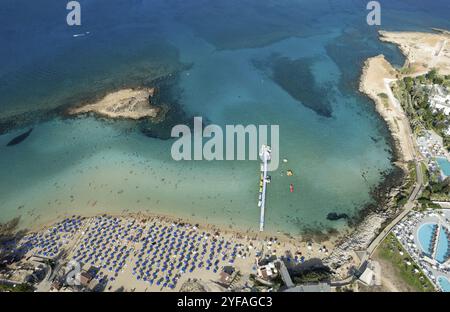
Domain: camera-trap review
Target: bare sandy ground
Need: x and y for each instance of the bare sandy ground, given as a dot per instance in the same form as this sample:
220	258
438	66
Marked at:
126	103
375	82
391	279
423	52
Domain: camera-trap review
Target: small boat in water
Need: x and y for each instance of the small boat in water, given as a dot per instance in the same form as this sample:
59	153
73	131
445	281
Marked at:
291	188
81	34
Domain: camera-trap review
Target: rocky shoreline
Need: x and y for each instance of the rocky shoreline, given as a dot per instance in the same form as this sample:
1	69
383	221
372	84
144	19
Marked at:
377	74
161	83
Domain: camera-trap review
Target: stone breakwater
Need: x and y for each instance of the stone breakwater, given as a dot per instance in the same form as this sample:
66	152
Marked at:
359	240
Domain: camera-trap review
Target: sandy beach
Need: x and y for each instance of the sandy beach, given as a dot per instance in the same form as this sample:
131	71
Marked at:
96	241
423	52
377	76
337	252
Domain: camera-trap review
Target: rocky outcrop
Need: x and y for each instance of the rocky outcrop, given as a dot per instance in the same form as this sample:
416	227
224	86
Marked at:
334	216
126	103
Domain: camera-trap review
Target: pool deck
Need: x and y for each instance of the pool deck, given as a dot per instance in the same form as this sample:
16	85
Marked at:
432	149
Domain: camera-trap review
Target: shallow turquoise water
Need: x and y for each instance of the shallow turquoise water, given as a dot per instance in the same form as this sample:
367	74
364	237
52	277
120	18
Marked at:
91	166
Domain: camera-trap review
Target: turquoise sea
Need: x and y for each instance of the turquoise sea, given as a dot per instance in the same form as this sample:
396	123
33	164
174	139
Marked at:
293	63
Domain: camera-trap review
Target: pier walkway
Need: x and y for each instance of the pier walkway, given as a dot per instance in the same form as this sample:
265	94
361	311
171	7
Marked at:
436	241
265	157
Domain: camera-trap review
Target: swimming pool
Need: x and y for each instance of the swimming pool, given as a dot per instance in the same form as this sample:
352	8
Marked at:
444	283
444	164
425	234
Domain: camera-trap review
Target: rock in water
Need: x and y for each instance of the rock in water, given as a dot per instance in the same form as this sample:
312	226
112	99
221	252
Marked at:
20	138
125	103
333	216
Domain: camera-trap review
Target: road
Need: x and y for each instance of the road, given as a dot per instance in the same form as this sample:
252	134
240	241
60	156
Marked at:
377	241
46	283
409	205
406	209
418	187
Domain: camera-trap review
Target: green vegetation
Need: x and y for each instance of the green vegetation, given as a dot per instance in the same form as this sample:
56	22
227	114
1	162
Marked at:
8	229
436	191
390	250
314	274
423	167
18	288
344	289
413	96
384	98
402	197
406	70
259	285
312	277
8	236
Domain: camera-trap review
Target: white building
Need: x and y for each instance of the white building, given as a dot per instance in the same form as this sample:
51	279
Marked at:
439	99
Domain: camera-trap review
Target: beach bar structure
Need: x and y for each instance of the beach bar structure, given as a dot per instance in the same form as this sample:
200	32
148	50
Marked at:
265	157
